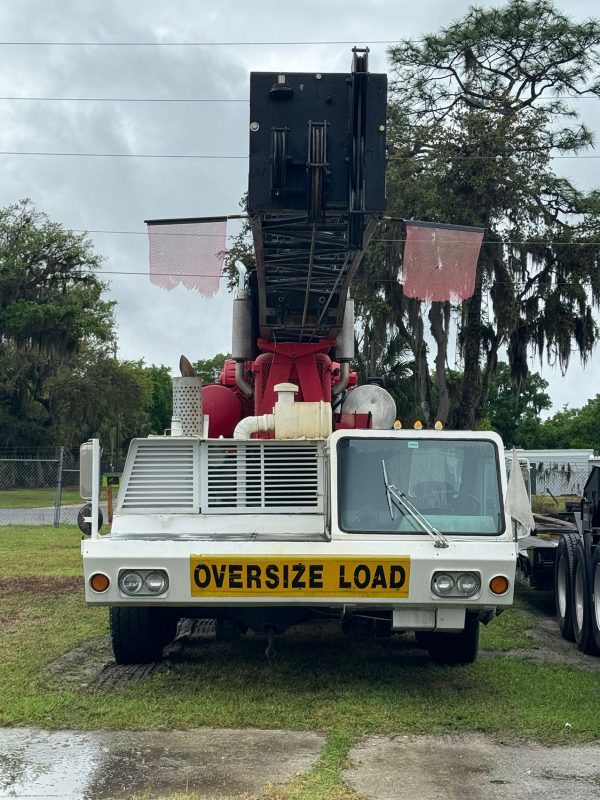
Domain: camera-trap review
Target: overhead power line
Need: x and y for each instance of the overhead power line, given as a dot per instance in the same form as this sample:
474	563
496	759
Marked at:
554	242
114	155
199	99
195	44
448	157
131	99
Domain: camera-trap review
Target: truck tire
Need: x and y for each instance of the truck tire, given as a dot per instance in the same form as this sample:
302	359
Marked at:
139	634
595	599
582	602
563	582
455	648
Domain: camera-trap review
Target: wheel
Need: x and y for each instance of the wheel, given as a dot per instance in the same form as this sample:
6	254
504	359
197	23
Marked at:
139	634
595	604
582	603
563	581
455	648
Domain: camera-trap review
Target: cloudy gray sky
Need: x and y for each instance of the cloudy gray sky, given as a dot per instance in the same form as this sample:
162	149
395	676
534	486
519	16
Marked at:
110	197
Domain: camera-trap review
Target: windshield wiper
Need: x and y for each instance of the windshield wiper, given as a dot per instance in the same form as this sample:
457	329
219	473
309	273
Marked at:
404	504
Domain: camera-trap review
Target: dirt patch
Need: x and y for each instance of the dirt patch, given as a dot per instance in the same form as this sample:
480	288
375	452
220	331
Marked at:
46	585
12	615
91	665
82	666
548	645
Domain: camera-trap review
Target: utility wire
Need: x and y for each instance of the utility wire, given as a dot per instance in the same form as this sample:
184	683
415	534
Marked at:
234	157
485	242
200	99
226	274
116	155
192	44
132	99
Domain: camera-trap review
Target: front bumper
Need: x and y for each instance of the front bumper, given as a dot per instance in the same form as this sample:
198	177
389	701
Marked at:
414	607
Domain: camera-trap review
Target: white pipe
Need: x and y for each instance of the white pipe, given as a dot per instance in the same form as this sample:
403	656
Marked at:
95	486
240	380
241	271
249	425
344	378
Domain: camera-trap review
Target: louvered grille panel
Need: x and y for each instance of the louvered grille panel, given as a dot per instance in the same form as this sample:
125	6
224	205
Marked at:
263	475
161	477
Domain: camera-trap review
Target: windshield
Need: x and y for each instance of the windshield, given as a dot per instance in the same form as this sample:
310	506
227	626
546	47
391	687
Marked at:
453	483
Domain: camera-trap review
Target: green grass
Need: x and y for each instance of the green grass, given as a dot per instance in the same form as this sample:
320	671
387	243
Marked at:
319	680
546	504
37	498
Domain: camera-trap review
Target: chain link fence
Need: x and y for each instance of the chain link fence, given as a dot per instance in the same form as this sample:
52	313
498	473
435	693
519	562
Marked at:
42	487
558	479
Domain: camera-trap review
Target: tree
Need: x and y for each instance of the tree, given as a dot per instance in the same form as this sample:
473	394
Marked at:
509	407
477	112
209	369
570	427
158	404
96	395
51	309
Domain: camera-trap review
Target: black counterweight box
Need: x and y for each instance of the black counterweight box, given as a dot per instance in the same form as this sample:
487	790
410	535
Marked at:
317	138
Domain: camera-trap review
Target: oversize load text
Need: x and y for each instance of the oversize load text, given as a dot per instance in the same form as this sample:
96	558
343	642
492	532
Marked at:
299	576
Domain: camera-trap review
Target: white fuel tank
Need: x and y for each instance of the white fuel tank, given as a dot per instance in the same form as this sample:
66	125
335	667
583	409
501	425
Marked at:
373	399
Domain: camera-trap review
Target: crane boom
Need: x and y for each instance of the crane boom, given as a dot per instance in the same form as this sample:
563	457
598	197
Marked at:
316	188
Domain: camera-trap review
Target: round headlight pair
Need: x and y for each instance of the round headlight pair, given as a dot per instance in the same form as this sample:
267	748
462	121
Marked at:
147	582
455	584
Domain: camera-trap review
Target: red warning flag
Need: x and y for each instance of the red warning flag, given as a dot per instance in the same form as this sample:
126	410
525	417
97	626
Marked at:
188	252
440	261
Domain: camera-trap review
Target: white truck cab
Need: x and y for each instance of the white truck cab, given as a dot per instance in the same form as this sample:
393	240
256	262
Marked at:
404	527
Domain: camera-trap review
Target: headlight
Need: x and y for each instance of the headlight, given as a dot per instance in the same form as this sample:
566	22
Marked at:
455	584
156	582
442	583
468	584
143	582
130	582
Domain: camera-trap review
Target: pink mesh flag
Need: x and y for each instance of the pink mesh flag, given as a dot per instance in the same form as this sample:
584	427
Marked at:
440	261
188	252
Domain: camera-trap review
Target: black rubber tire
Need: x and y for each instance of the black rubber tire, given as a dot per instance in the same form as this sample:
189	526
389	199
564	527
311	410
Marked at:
563	584
139	634
582	603
455	648
595	609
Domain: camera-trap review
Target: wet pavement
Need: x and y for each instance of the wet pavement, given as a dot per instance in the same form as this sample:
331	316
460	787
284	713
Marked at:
109	765
471	767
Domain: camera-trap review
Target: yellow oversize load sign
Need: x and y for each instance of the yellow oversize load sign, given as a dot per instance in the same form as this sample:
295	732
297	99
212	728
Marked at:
262	576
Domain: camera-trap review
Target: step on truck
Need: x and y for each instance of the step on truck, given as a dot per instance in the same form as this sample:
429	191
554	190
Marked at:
286	492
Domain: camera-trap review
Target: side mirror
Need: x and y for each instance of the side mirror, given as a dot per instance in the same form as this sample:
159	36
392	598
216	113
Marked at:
86	464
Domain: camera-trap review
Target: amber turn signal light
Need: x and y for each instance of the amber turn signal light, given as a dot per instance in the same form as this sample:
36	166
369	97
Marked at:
499	584
99	582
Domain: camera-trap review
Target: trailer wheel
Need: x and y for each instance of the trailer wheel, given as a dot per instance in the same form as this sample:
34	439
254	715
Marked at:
595	599
582	603
563	582
139	634
455	648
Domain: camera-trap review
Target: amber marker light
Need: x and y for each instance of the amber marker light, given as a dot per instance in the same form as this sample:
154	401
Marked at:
397	425
418	425
439	425
99	582
499	584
